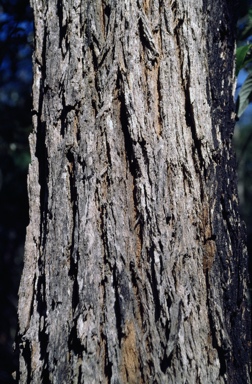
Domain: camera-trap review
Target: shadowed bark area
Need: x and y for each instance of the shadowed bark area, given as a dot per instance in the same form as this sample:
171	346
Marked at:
135	265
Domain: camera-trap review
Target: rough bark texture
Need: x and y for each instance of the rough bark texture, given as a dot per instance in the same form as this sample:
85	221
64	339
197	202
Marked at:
135	265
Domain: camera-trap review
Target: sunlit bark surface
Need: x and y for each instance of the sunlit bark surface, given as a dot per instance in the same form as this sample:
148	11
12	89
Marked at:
135	265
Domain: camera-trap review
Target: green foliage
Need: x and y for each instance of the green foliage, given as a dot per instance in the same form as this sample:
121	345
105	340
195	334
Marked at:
244	60
243	57
245	96
243	144
245	26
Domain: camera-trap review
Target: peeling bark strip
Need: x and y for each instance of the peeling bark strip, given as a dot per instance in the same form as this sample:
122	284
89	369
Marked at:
135	265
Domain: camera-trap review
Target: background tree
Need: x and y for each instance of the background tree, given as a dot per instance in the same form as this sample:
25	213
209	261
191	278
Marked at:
135	267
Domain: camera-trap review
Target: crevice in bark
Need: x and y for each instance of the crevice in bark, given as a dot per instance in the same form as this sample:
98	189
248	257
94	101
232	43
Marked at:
189	113
147	41
73	271
74	254
62	28
74	343
174	275
138	309
131	158
42	155
222	353
128	142
33	295
108	157
134	274
119	311
80	375
103	56
75	294
226	214
143	143
42	310
166	363
94	57
64	113
190	121
74	201
106	16
26	352
160	102
104	237
108	364
41	151
71	170
237	296
154	284
178	24
43	339
87	23
104	281
187	179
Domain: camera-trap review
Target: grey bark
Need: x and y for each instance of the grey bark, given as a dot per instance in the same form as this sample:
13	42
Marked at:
135	266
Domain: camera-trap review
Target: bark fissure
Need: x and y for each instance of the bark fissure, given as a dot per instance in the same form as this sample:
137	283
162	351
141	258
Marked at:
71	157
119	310
62	25
222	352
42	332
28	360
42	155
132	162
148	41
190	121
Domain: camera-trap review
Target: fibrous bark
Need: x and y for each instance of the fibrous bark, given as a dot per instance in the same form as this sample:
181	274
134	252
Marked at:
135	265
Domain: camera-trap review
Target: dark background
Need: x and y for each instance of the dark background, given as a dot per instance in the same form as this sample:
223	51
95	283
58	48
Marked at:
16	39
16	45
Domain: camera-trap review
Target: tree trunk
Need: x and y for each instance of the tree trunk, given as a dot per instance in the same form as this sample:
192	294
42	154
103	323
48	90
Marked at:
135	266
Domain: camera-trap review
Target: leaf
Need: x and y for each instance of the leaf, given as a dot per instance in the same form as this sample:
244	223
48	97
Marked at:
241	54
250	14
245	96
